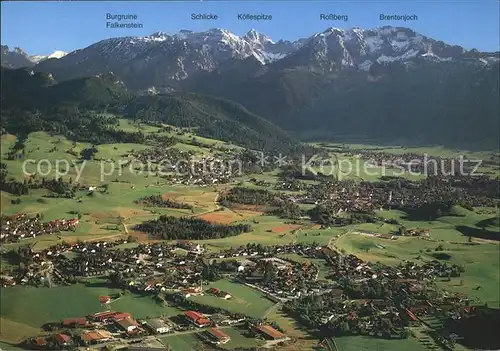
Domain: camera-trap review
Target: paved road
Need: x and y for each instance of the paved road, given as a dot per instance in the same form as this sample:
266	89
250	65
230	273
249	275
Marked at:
331	242
270	309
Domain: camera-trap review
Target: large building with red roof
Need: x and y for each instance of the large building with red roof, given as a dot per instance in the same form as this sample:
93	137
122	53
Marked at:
103	316
122	315
217	336
197	318
269	332
75	322
62	339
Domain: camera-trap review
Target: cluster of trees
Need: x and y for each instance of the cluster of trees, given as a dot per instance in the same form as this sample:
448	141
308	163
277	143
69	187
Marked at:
287	209
251	162
312	311
72	122
158	201
270	273
372	289
11	186
275	204
295	171
431	210
174	228
88	153
14	187
229	266
248	196
308	309
58	186
326	214
18	147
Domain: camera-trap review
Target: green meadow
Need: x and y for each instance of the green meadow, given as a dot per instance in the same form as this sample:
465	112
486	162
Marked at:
42	305
183	342
362	343
244	299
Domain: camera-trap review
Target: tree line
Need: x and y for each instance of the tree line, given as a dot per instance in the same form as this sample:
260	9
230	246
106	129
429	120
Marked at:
158	201
275	204
174	228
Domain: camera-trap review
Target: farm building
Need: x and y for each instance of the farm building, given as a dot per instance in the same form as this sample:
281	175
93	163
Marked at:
192	291
128	324
219	319
158	326
95	336
104	316
217	336
122	315
269	332
197	318
104	299
40	341
75	322
62	339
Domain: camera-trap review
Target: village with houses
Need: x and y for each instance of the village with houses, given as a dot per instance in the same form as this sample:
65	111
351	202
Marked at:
352	296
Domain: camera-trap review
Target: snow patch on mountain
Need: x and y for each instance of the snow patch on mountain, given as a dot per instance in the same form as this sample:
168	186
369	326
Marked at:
374	44
365	66
57	54
39	58
399	45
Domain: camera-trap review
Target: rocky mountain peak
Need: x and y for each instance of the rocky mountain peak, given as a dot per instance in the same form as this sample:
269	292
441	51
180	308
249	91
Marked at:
16	58
254	36
158	36
19	51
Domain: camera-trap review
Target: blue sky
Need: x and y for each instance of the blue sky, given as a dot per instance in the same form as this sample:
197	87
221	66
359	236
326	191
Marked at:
43	27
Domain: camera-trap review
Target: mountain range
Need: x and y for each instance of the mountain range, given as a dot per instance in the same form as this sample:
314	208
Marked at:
18	58
338	82
162	60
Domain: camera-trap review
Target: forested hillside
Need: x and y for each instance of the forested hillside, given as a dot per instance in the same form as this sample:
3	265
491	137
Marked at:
32	102
447	104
